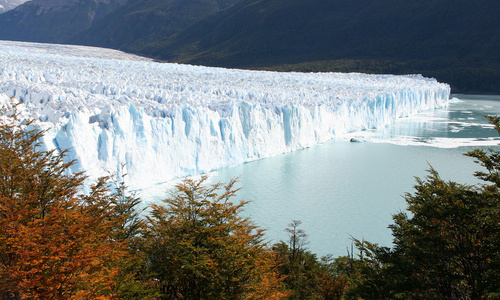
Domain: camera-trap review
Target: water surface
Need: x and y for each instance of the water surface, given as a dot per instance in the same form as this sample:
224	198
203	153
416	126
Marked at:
344	189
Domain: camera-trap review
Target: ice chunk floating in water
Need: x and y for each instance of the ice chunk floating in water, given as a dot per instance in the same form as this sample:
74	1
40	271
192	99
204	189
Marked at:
162	121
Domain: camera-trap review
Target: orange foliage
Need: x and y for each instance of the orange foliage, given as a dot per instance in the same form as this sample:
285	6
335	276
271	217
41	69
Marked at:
200	248
54	242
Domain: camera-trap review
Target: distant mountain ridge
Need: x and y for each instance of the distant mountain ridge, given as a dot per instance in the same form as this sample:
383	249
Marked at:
53	21
118	24
143	23
456	41
340	28
6	5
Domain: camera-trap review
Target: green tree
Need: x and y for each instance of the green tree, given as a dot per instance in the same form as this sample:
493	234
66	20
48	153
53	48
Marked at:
447	246
199	247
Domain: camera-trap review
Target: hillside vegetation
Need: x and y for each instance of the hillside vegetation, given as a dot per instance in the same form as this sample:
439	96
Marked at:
454	41
53	21
143	23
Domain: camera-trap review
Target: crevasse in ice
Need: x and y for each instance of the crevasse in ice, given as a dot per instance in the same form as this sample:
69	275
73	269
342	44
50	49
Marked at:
120	113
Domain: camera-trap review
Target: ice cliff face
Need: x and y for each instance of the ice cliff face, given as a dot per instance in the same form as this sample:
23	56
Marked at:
120	113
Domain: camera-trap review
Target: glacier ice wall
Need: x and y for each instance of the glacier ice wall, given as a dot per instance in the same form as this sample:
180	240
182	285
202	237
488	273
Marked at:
154	121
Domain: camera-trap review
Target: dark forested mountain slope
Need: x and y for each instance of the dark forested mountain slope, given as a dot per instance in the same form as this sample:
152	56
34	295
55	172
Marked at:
355	28
53	21
146	22
457	41
127	24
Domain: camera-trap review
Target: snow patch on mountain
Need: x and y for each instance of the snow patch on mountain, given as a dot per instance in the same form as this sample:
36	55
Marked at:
6	5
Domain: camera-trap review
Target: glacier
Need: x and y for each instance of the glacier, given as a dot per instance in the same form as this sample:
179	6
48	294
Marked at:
119	113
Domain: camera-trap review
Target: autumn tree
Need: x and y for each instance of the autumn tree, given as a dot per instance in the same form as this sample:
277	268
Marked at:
199	247
306	276
296	242
448	244
55	241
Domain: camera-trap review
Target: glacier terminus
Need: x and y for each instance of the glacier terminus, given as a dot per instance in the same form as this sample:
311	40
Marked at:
119	113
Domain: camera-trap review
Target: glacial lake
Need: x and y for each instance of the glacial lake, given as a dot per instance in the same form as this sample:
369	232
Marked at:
343	189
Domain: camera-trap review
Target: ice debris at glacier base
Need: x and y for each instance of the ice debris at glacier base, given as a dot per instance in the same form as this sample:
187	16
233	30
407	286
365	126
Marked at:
120	113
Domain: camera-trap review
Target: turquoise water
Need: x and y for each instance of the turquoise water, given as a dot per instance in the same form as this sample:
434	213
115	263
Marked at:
344	189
